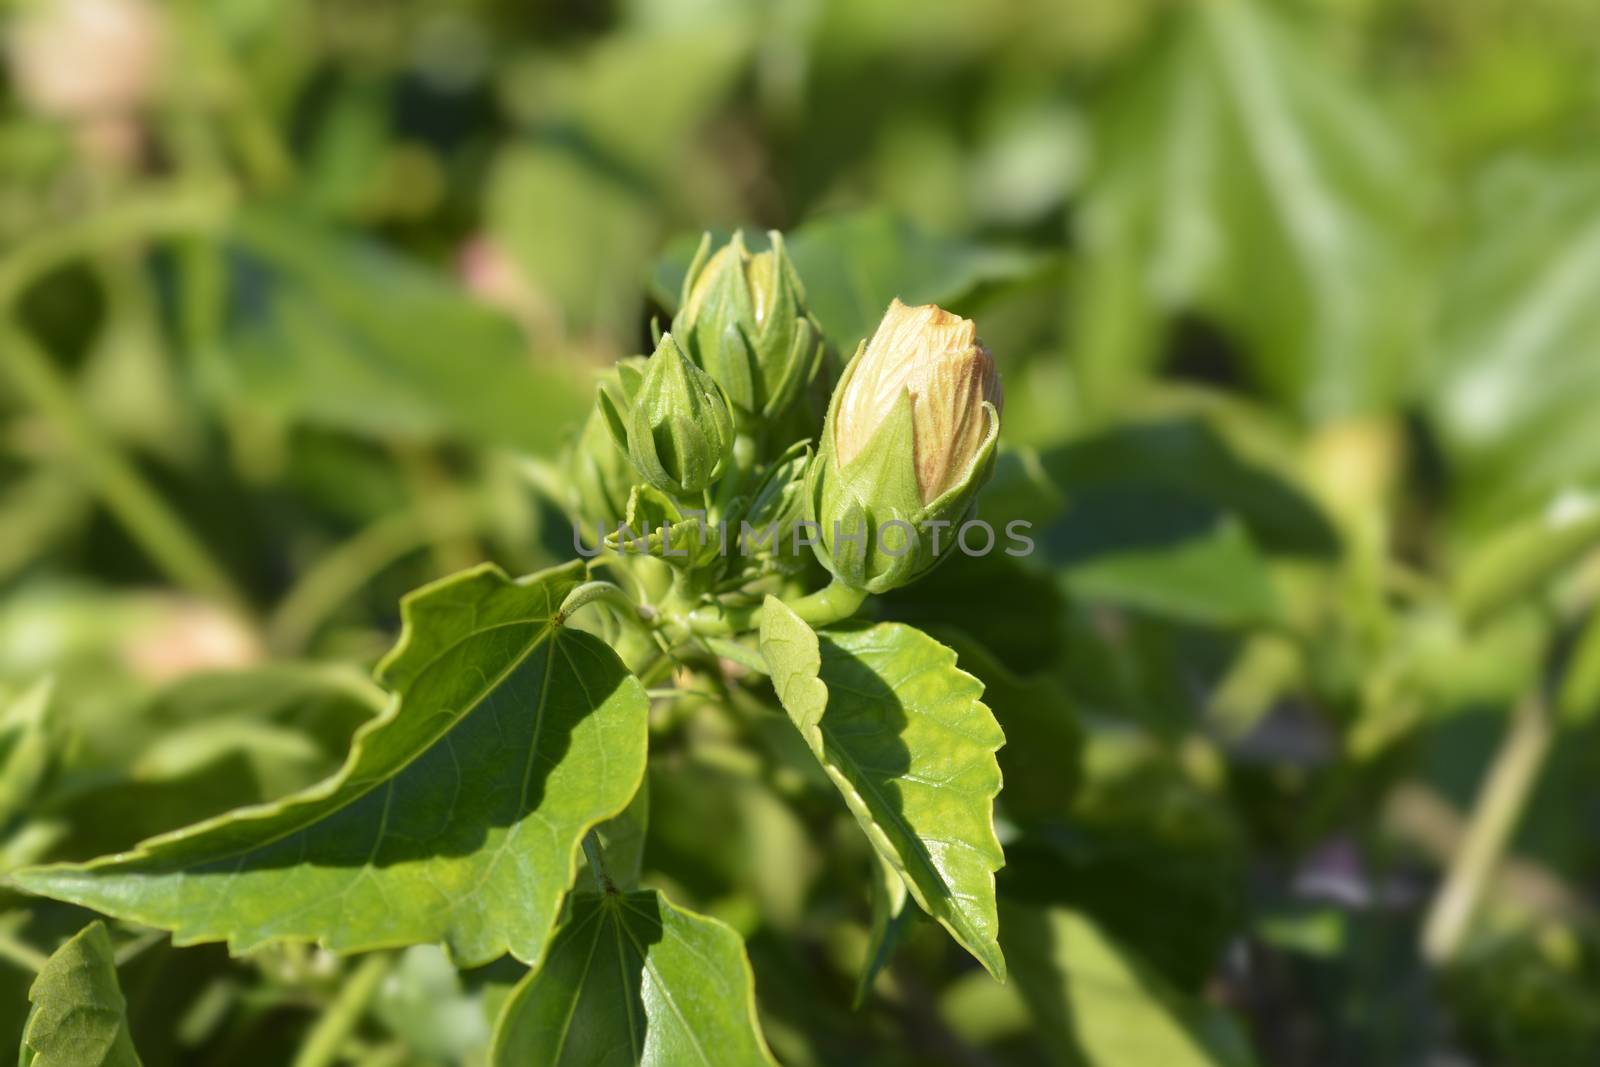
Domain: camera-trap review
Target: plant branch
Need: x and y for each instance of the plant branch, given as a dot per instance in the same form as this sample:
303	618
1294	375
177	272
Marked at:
322	1046
1505	794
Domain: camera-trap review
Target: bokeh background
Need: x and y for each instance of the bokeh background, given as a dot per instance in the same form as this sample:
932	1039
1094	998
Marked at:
1298	310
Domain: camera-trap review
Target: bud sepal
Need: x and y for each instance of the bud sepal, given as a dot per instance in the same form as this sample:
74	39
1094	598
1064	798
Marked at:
742	318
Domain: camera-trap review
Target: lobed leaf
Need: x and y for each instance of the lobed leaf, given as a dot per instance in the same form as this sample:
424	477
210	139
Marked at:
632	979
456	817
903	735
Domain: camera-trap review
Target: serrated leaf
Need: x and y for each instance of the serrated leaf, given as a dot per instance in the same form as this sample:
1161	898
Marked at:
79	1017
632	979
456	817
1096	1005
901	731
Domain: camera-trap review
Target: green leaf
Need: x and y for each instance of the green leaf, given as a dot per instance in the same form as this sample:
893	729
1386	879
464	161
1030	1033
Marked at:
1515	373
1097	1005
890	917
1044	743
1515	561
25	748
456	817
633	979
1170	554
902	733
1244	178
622	841
79	1017
340	333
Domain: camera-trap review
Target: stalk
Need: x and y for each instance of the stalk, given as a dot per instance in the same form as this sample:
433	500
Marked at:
1506	790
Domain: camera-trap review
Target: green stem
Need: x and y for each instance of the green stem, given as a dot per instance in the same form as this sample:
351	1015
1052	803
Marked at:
342	572
612	595
828	605
173	209
1506	790
20	953
597	862
167	540
323	1045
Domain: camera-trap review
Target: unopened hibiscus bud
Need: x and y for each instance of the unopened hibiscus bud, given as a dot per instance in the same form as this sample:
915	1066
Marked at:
908	442
672	419
743	320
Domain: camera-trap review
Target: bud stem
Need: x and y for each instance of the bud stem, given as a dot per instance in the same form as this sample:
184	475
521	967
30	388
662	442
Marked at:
826	606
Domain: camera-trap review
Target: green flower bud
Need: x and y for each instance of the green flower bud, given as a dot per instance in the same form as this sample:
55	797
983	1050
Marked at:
673	420
743	320
908	442
767	531
600	476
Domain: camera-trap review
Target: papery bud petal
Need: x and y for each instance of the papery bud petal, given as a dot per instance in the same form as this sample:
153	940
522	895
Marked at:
938	359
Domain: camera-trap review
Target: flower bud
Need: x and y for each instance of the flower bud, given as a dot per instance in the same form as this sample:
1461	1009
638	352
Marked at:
767	530
743	320
673	420
908	442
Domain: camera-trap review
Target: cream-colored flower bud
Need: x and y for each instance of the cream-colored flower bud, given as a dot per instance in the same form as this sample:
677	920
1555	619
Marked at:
938	359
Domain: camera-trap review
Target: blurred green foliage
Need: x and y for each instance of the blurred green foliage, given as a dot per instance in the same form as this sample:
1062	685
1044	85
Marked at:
1296	307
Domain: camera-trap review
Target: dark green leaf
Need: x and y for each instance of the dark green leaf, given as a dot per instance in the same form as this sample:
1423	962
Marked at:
457	815
633	979
1097	1005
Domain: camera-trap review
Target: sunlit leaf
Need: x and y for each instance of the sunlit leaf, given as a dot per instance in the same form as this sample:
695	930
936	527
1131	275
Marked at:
901	731
633	979
456	817
1244	179
1515	373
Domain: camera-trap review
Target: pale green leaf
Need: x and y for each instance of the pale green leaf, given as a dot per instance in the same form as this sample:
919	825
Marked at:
79	1017
1096	1005
456	817
901	731
633	979
1515	373
1243	177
